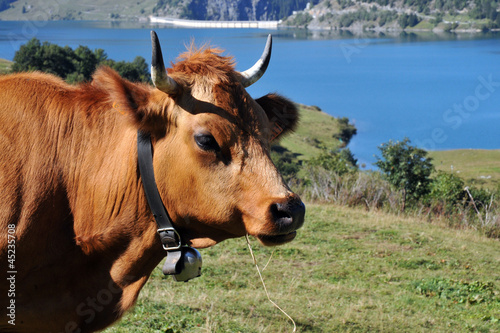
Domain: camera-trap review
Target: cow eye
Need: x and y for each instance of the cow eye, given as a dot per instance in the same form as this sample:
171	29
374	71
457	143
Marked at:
207	142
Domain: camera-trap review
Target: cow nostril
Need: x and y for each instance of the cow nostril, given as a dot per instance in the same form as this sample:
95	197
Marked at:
280	212
288	216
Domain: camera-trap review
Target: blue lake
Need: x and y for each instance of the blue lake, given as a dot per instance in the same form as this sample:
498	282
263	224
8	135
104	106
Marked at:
442	92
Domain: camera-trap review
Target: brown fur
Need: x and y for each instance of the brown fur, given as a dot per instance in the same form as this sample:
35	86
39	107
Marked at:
206	62
85	239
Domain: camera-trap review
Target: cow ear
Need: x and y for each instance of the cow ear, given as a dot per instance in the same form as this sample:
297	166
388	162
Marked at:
128	98
282	114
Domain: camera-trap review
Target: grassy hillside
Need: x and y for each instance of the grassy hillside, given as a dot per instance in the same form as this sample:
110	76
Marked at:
443	15
480	167
315	127
78	10
5	66
347	271
474	166
128	9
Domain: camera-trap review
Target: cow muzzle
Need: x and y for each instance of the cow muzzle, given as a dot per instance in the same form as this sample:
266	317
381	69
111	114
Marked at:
287	216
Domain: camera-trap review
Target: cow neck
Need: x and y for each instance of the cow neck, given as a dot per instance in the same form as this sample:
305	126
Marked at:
170	238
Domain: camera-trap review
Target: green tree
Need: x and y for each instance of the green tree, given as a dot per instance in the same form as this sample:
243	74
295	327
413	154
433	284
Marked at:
45	57
85	62
74	66
26	58
100	55
135	71
341	161
346	131
406	20
407	168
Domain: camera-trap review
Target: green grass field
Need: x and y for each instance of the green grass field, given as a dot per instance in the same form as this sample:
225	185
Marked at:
348	271
476	166
5	66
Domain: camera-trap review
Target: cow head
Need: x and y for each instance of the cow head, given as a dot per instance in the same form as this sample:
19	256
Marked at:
211	144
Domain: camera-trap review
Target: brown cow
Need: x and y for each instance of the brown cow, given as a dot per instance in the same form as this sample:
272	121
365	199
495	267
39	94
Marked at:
78	240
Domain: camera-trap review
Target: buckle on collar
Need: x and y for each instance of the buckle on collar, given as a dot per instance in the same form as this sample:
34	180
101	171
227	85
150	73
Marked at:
170	239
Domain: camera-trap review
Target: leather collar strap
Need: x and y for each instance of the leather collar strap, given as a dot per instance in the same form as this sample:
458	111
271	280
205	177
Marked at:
170	239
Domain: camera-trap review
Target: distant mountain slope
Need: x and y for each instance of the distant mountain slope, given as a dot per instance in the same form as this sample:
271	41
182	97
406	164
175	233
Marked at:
132	9
37	10
448	15
244	9
400	14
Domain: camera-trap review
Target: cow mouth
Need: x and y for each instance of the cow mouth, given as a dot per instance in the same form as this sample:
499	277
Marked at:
273	240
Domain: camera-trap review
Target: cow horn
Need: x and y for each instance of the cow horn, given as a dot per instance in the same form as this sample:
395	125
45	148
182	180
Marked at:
159	75
254	73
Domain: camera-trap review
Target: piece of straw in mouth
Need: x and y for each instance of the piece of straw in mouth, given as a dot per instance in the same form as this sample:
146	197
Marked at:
264	284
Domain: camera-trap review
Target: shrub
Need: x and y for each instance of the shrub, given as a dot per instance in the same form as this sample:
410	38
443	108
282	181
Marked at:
286	162
346	131
340	161
446	189
406	20
407	168
301	20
